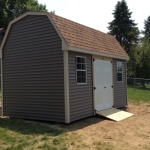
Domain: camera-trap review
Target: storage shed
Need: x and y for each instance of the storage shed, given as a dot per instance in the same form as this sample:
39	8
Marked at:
2	32
54	69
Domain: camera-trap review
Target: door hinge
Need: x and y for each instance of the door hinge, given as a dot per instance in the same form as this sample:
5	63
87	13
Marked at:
94	88
93	59
112	86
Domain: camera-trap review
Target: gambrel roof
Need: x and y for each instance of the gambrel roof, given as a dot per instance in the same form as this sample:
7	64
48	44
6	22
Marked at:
80	38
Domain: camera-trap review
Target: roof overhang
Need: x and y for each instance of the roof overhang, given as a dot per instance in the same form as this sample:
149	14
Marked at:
64	44
96	53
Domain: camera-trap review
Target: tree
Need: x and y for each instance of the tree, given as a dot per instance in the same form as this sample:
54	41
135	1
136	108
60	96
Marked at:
146	31
134	60
123	27
10	9
143	68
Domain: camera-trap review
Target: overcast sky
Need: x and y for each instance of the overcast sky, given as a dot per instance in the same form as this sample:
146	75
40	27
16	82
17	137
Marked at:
97	13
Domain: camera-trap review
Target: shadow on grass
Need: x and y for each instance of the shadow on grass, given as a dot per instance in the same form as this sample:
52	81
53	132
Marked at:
41	128
26	127
83	123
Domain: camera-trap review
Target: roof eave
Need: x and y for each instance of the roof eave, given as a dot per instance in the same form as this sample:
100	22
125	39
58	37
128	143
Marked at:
75	49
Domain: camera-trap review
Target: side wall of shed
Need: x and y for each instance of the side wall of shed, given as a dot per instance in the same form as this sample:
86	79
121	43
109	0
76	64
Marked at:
80	96
1	37
120	88
33	72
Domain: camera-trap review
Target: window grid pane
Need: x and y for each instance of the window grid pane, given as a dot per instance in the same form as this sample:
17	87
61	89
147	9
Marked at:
81	69
119	71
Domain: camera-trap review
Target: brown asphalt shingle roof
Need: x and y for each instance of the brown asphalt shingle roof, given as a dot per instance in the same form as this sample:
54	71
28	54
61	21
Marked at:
80	36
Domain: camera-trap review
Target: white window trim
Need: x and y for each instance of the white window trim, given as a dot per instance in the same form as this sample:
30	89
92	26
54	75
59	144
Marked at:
81	70
119	71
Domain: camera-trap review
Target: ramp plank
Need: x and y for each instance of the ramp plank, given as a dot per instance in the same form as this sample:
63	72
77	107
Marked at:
114	114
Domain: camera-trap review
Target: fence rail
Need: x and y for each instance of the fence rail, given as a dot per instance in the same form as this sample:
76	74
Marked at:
139	83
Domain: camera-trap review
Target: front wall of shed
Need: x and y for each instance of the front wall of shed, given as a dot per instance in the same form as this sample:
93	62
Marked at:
33	74
80	96
120	88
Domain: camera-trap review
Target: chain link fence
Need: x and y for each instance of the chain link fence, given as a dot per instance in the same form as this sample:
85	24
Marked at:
139	84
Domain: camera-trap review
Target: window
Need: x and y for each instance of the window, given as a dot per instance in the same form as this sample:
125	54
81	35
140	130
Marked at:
119	71
81	69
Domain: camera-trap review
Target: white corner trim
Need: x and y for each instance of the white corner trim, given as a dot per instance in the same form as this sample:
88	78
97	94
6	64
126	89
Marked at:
64	44
93	86
66	87
96	53
126	84
2	87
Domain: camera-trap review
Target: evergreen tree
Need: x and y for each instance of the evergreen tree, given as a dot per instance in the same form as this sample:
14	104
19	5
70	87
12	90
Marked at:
143	66
10	9
123	27
146	31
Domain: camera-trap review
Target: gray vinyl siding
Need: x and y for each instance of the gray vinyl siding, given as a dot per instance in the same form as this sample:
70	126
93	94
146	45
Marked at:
120	88
1	37
80	96
33	73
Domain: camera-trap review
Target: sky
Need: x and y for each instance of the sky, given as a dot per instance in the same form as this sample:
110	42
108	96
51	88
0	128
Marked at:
97	13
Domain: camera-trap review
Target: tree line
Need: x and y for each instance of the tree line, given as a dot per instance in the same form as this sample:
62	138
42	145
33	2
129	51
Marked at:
10	9
125	30
122	27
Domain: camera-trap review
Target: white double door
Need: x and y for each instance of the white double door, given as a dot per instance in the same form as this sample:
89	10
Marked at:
103	89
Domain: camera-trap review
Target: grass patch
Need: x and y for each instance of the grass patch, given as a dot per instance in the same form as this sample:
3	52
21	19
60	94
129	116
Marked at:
17	134
136	94
103	146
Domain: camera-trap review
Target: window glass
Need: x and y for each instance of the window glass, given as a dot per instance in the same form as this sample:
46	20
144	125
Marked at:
119	66
119	71
81	69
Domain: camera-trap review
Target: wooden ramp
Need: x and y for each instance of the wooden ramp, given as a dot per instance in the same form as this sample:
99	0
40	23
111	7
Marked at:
114	114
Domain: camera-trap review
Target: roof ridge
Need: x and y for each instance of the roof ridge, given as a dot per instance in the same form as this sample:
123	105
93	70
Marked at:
81	24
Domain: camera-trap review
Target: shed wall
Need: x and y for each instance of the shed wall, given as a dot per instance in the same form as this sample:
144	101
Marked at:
80	96
33	73
1	37
120	88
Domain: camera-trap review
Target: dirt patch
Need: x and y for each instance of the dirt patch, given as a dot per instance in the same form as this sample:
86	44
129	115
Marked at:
101	133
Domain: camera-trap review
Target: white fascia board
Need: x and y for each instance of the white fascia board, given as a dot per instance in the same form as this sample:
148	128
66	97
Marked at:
70	48
64	44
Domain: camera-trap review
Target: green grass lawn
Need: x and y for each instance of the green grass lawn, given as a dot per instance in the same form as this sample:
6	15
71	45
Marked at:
17	134
136	94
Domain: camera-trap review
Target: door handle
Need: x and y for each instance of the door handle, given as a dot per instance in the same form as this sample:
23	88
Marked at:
94	87
104	87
